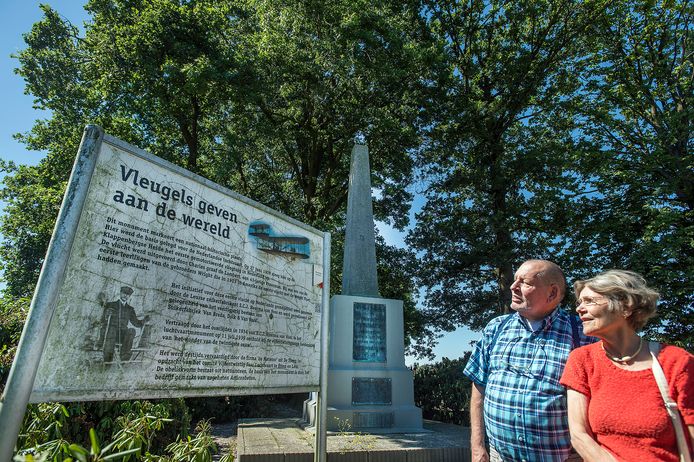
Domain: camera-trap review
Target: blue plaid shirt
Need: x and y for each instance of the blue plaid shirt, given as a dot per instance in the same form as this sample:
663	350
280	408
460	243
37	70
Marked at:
524	403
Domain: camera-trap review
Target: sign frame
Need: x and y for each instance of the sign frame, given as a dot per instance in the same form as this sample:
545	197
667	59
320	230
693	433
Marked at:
24	369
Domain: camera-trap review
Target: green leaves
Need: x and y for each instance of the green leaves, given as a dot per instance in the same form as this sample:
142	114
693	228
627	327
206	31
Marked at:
497	162
565	135
198	449
442	391
262	97
638	91
534	129
138	424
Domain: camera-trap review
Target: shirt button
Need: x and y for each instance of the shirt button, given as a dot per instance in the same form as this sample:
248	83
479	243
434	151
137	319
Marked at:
518	415
520	438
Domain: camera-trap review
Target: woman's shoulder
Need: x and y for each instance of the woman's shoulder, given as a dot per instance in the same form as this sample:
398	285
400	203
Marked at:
580	367
675	354
588	350
676	362
585	352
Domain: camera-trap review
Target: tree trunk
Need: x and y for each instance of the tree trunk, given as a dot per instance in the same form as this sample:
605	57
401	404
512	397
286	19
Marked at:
502	234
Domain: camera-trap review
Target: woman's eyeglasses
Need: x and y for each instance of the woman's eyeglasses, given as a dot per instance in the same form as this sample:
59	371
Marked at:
588	301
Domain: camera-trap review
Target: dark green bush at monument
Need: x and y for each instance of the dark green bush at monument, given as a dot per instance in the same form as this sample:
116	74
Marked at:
442	391
221	409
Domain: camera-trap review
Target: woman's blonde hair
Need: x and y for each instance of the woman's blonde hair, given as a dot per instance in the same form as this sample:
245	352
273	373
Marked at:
626	292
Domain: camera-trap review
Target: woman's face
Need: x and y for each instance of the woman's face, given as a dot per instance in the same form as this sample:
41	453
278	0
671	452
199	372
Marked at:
597	319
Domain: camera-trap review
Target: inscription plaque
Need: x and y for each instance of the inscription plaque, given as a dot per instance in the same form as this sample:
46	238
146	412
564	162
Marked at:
369	390
372	419
369	341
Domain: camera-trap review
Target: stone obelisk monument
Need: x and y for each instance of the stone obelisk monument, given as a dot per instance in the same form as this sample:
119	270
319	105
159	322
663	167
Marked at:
369	386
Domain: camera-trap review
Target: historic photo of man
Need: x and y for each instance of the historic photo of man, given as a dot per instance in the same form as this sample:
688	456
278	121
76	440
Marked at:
116	336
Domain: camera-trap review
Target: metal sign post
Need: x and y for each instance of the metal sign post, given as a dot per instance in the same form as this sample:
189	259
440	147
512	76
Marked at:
321	447
26	362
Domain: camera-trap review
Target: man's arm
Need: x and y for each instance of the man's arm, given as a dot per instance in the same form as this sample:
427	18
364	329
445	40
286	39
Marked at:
477	433
582	437
134	320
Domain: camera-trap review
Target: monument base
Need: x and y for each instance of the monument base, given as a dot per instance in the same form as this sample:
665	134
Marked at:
372	420
369	387
284	440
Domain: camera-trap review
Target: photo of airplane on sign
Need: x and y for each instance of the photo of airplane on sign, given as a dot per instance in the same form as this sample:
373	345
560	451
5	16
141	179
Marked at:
267	241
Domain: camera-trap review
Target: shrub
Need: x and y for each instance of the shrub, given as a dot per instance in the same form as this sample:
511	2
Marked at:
442	391
197	449
12	316
229	408
51	428
130	443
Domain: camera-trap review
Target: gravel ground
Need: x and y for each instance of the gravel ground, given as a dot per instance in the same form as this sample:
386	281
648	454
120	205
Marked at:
224	436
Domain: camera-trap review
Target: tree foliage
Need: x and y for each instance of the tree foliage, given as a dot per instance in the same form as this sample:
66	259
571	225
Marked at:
565	133
265	98
499	151
638	101
539	128
442	391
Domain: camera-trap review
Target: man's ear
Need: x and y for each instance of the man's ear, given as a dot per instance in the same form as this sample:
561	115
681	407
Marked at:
553	293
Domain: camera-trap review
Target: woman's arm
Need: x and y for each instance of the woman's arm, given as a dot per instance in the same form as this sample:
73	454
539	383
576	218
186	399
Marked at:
582	437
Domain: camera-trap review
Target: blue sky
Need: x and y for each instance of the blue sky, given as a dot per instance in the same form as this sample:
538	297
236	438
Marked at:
18	116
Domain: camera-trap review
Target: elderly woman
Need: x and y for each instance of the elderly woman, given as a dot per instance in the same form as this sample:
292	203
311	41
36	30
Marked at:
616	411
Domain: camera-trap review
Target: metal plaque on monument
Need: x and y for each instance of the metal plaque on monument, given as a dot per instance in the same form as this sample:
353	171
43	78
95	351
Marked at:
369	386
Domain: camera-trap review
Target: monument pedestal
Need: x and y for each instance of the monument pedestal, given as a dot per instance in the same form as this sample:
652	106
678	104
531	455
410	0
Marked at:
369	387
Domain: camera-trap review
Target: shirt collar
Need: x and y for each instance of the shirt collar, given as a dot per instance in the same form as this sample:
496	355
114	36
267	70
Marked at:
546	321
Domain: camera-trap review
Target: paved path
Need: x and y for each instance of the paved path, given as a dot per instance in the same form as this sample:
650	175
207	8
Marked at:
225	434
284	440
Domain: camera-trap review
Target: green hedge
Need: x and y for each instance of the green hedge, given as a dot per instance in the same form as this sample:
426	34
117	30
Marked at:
442	391
12	316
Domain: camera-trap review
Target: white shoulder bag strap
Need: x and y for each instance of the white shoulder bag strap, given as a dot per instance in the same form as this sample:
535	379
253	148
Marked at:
670	405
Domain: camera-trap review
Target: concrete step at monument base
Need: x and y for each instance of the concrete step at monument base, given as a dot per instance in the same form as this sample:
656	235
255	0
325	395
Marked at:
284	440
375	419
396	418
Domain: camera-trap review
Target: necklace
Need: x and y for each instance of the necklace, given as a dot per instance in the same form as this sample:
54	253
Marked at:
623	359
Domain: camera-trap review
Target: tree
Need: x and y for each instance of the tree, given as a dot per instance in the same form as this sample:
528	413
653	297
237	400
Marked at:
33	194
170	68
326	73
323	74
637	103
261	97
497	163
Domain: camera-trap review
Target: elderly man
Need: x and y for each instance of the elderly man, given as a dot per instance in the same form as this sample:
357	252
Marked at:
115	333
515	369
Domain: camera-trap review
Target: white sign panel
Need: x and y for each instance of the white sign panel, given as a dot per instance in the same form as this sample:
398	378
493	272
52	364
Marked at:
176	286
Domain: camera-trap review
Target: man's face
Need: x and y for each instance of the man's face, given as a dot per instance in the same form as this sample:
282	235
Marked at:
531	295
124	297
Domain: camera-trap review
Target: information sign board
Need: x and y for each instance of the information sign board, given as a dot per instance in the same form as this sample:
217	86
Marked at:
176	286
